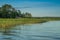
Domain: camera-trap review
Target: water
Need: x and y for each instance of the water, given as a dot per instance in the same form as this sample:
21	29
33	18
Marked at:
42	31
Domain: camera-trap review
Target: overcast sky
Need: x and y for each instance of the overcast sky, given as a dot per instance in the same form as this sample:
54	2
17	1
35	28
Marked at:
38	8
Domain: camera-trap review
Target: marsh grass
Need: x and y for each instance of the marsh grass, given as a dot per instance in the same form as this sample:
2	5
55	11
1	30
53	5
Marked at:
7	23
10	22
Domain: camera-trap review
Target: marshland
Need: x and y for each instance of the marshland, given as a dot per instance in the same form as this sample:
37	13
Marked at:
9	16
29	21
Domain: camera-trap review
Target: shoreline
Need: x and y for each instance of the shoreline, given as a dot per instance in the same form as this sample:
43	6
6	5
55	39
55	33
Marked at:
7	23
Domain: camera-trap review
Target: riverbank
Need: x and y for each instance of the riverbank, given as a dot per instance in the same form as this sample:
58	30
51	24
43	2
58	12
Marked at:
7	23
13	22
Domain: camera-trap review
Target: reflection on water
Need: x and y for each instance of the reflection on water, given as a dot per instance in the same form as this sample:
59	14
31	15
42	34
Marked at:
8	34
44	31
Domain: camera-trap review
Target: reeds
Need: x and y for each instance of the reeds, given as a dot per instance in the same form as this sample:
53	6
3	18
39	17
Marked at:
7	23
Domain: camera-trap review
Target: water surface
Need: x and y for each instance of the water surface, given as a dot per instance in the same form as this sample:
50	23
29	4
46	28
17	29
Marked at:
42	31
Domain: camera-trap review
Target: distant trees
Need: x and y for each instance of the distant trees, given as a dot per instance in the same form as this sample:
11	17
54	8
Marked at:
7	11
27	14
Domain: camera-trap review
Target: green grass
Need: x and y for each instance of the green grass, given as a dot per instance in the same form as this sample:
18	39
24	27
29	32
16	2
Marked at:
13	22
7	23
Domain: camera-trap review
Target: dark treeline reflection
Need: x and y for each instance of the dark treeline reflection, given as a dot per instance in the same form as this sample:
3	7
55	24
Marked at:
9	34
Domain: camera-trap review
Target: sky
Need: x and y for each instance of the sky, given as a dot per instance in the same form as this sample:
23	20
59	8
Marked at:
38	8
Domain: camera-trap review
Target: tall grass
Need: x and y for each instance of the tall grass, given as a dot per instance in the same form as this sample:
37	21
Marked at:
7	23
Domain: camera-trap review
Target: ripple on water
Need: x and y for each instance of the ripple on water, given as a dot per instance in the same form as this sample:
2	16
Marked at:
44	31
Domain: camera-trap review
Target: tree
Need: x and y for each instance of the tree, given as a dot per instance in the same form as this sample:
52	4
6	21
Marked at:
19	13
28	14
6	6
7	11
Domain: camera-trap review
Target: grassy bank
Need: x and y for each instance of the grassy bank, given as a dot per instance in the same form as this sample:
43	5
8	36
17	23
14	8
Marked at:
13	22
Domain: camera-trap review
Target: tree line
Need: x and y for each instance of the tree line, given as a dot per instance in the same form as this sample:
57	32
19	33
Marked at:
7	11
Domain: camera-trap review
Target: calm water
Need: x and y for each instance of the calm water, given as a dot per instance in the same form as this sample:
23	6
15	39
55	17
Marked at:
45	31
